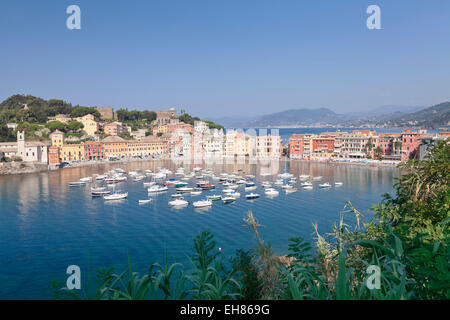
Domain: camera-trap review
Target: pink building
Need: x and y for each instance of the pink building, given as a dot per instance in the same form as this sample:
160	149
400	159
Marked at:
410	145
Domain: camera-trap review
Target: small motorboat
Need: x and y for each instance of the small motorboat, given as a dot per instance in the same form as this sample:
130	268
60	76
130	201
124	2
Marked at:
324	185
116	196
138	178
196	193
100	193
86	179
214	197
181	184
287	186
77	184
176	195
202	203
101	177
252	196
144	201
338	184
228	199
250	188
207	186
307	187
266	184
306	184
279	182
178	202
185	189
249	184
271	192
228	190
291	190
157	188
234	194
149	184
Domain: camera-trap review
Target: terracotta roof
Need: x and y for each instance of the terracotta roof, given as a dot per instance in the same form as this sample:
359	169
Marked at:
114	139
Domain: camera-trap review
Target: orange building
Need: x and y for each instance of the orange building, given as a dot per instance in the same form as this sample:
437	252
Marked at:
53	155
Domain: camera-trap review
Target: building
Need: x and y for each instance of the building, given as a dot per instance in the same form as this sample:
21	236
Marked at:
163	116
61	118
93	150
12	126
201	126
71	152
57	138
33	151
115	147
357	144
53	155
139	134
267	145
300	146
114	129
322	146
89	123
410	145
427	143
148	146
107	113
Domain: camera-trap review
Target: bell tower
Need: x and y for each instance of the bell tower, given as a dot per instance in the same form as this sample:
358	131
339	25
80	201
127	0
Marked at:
21	143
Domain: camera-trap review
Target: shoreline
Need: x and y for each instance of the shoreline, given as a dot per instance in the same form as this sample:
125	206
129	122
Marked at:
18	168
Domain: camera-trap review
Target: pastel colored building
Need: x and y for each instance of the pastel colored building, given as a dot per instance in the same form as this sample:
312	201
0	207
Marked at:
93	150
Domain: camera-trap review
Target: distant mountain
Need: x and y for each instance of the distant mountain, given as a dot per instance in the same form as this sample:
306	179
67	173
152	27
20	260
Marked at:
388	115
432	117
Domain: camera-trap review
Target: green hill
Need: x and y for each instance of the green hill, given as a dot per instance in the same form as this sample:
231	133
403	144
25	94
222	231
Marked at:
432	117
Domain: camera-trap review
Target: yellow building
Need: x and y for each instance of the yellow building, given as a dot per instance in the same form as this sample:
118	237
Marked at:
89	123
57	138
147	146
70	152
115	147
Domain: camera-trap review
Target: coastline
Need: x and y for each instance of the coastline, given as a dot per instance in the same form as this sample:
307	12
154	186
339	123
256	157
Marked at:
17	168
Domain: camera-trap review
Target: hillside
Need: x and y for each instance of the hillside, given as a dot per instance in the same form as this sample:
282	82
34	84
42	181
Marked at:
432	117
296	117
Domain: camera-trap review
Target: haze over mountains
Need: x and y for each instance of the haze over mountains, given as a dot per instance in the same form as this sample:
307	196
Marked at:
384	116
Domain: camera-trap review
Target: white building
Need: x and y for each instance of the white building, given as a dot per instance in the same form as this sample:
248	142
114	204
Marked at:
27	151
201	126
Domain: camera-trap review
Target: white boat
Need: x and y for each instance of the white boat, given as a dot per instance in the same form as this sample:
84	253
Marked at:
144	201
271	192
196	193
266	184
86	179
184	189
77	184
100	193
338	183
291	190
286	186
234	194
149	184
325	185
202	203
285	175
116	196
317	178
250	188
138	178
97	189
228	199
279	182
157	188
252	196
303	177
306	184
241	181
178	202
307	187
233	186
101	177
176	195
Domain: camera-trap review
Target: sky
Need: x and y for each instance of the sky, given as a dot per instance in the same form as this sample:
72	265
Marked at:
227	58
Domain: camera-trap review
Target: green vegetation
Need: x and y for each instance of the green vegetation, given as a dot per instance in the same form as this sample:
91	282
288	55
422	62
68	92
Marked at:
212	125
186	118
407	241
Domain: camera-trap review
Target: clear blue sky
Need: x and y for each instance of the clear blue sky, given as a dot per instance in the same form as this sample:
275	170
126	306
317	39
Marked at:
235	57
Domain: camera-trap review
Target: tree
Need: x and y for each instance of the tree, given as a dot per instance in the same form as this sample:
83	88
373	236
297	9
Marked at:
75	126
56	125
79	111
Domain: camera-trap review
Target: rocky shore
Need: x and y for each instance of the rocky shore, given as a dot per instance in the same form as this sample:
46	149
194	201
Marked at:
9	168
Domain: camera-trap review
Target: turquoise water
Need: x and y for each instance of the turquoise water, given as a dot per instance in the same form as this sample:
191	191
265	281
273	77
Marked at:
45	225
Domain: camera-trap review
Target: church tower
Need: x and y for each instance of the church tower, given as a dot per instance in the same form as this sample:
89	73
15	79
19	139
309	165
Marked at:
21	144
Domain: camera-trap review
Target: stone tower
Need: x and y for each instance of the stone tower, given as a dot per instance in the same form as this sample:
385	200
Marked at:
21	144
